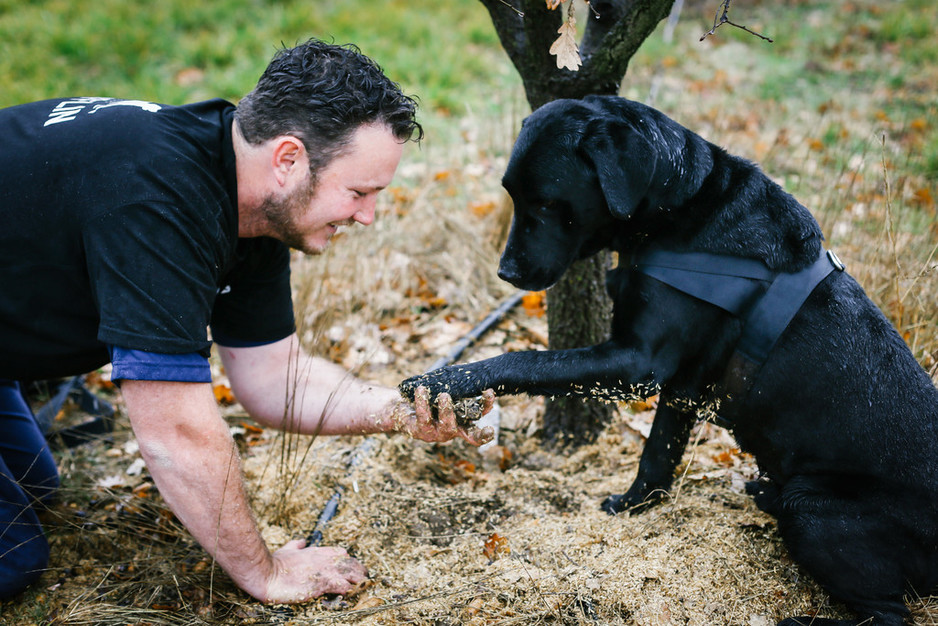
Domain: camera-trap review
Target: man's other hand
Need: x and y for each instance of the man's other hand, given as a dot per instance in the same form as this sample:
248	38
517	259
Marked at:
302	573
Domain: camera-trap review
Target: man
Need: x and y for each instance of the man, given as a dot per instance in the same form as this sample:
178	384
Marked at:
129	228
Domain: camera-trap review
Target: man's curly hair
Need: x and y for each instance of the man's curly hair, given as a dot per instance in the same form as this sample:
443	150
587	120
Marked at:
321	93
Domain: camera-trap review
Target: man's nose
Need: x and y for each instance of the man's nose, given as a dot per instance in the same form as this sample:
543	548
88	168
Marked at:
366	214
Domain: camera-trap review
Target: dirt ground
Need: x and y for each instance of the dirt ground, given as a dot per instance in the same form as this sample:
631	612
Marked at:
451	535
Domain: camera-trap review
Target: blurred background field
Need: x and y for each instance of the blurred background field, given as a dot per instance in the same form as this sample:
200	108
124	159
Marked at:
841	110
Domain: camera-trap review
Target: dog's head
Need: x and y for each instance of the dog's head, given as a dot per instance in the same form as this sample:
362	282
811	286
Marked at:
580	168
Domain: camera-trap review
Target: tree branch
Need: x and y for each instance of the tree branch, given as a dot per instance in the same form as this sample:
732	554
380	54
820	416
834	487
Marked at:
721	19
540	27
509	25
527	28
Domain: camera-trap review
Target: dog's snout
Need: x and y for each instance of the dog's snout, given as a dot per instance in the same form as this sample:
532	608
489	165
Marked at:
508	272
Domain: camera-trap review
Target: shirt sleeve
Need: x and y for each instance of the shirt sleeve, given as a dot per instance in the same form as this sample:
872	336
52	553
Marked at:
127	364
153	272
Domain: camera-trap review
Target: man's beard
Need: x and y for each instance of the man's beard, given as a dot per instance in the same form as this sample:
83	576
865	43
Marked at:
283	214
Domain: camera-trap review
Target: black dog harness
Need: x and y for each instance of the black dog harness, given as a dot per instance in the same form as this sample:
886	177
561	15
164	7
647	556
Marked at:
764	299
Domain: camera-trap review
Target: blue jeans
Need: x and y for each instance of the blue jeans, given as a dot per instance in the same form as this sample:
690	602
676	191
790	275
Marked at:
28	479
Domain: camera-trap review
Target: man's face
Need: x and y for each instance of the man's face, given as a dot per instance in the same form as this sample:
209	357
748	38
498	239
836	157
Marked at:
307	218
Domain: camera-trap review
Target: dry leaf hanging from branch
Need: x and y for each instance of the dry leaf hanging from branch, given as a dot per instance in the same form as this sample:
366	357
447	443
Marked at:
565	48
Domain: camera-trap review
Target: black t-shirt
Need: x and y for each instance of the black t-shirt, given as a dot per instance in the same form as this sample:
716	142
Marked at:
118	225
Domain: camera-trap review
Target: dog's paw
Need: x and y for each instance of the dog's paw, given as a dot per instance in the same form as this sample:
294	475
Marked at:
614	504
452	380
766	495
408	388
435	382
620	503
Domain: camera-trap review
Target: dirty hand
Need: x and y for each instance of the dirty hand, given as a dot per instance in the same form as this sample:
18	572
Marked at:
300	573
420	422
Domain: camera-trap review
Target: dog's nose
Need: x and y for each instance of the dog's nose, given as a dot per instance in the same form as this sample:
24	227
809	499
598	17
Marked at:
508	272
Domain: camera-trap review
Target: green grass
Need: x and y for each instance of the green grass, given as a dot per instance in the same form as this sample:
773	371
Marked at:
174	51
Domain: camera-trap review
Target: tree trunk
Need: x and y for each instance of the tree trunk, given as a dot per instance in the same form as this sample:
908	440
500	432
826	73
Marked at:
615	29
579	314
579	311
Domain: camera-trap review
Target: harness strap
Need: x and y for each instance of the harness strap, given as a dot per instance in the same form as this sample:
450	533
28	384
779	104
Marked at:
706	263
771	315
766	300
731	283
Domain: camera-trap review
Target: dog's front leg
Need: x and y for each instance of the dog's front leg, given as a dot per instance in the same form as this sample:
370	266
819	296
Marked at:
607	370
663	451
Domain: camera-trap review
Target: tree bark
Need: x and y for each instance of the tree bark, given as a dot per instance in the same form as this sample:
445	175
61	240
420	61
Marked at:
579	310
614	32
579	314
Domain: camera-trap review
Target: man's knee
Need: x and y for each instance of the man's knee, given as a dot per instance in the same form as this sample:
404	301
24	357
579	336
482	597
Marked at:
42	481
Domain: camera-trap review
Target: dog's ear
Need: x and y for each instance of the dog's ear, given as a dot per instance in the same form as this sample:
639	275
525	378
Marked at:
624	161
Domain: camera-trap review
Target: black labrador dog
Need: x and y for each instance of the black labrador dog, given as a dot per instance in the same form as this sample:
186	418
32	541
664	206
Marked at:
726	302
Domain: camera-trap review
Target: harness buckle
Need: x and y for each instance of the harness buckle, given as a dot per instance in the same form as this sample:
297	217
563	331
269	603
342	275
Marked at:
835	261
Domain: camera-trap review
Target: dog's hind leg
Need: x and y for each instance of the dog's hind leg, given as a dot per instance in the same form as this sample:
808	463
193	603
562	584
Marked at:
663	451
852	545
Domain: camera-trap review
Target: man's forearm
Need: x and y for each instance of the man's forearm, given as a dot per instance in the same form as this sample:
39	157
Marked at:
283	387
348	405
195	465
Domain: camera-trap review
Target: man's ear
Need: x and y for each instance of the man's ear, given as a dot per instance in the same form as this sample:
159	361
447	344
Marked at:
288	158
625	162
